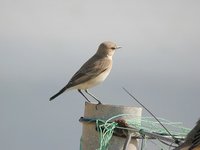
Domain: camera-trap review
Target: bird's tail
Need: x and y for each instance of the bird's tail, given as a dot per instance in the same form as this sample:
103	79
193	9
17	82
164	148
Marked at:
57	94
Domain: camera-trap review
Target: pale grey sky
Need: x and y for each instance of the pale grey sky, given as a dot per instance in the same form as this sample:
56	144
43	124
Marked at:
43	43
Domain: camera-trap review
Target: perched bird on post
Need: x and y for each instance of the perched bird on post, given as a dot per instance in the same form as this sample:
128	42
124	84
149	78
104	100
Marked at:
93	72
192	141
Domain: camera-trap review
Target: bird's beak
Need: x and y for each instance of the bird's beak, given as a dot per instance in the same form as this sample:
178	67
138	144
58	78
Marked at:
118	47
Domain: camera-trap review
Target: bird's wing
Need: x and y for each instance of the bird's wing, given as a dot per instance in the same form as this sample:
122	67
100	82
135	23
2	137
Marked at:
91	69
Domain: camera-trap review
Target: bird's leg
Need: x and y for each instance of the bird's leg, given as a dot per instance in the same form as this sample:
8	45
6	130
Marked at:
99	102
83	95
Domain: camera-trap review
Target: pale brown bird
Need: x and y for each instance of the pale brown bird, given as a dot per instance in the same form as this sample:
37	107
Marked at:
93	72
192	140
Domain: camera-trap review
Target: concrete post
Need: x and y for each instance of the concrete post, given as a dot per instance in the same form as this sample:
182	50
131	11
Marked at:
104	112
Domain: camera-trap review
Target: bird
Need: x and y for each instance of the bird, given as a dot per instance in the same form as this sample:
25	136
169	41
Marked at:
92	72
192	140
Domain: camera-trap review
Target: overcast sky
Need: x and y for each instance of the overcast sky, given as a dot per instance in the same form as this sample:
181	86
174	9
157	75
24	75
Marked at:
44	42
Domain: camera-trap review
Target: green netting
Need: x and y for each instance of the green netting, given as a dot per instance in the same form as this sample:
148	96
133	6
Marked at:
150	125
106	128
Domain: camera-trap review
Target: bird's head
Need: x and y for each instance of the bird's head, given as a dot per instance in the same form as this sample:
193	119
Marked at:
107	48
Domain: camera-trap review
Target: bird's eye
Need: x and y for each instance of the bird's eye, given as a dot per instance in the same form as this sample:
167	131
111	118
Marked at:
113	48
